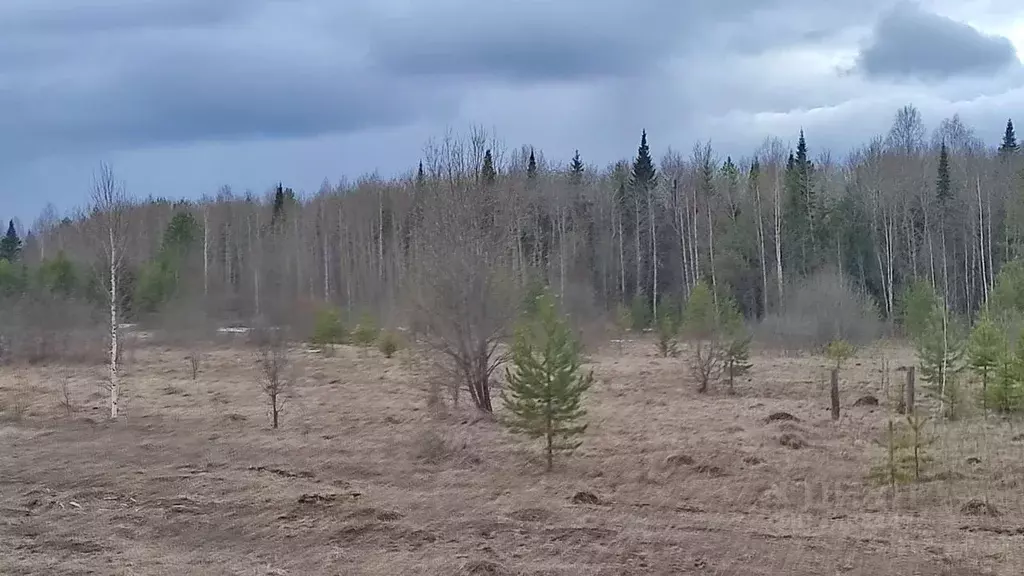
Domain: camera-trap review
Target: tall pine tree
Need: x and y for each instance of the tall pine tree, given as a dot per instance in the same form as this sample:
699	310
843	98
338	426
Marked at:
531	166
10	244
1009	145
576	169
943	182
487	172
801	208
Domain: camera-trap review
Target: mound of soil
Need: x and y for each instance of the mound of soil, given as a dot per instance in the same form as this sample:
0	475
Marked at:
679	460
792	441
585	497
867	400
975	507
780	417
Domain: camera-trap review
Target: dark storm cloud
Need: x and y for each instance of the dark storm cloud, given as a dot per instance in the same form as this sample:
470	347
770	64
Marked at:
76	18
203	76
538	40
908	42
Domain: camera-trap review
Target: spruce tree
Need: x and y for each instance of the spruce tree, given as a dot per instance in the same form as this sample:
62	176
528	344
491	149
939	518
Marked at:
531	166
943	181
10	244
576	169
277	213
421	178
487	172
1009	145
985	350
545	383
643	176
941	352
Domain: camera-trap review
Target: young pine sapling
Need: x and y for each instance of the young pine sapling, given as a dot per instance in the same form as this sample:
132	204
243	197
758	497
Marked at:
545	382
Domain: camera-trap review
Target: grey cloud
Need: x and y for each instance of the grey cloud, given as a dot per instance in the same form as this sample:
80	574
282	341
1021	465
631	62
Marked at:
79	17
123	90
908	42
578	40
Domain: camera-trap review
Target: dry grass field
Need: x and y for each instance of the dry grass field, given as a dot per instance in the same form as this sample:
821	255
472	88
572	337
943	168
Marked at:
363	479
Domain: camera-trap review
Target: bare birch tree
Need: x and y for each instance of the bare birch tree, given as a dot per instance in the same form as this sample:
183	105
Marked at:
110	206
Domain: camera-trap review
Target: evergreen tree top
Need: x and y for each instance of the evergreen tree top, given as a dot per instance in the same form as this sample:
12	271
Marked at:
531	166
487	172
943	182
1009	143
10	244
576	168
643	175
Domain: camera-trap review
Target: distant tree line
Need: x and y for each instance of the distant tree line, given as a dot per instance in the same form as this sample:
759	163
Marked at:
906	207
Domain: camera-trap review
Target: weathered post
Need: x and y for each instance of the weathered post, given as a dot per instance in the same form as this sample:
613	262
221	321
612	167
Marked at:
910	390
835	394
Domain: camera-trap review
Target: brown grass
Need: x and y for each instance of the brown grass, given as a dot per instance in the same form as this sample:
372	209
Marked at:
364	478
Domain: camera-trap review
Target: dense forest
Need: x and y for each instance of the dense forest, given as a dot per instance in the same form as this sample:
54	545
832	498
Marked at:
941	207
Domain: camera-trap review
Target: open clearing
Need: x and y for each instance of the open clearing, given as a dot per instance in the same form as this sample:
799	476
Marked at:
363	478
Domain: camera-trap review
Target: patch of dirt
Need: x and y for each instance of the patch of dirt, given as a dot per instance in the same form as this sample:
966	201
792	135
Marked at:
780	417
317	498
976	507
281	472
530	515
867	400
710	470
585	497
792	441
485	568
752	460
679	460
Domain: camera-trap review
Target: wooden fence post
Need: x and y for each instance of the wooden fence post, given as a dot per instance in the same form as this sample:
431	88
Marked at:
835	394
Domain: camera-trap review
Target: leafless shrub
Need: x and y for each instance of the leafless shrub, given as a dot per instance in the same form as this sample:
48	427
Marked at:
195	359
64	392
464	301
273	363
818	310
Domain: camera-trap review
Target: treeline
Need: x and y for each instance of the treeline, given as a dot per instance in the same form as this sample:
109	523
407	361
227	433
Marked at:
641	233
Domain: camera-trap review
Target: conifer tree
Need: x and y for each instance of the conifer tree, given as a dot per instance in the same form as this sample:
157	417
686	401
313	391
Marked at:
576	169
10	244
531	166
1009	145
277	213
940	350
643	176
1006	394
736	351
545	382
943	182
487	172
421	178
985	350
702	326
801	206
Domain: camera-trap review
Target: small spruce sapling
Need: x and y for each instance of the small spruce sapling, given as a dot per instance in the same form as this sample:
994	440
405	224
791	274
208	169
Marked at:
940	349
985	351
701	327
668	331
839	351
736	352
545	382
1006	392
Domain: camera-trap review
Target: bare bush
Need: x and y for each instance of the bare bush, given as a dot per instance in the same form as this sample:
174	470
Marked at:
195	360
273	363
64	392
818	310
464	299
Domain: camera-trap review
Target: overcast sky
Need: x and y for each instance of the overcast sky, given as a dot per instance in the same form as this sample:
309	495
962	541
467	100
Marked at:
183	96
